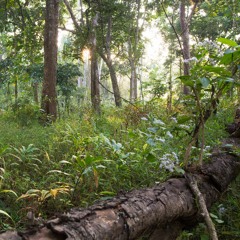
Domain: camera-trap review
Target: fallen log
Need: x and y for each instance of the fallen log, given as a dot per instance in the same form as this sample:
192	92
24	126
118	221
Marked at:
160	212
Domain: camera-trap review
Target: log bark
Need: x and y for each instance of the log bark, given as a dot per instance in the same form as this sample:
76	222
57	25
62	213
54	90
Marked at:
160	212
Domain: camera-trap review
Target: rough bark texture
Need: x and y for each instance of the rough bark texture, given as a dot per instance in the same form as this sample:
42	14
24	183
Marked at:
49	101
160	212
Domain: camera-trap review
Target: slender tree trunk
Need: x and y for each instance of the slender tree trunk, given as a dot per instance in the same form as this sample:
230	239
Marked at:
133	80
8	95
35	92
49	101
170	93
115	87
108	61
116	91
133	54
133	77
185	42
16	89
95	89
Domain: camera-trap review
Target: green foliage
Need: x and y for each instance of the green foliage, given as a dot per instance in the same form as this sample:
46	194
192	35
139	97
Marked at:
24	159
76	161
5	70
216	18
155	84
24	112
209	80
66	74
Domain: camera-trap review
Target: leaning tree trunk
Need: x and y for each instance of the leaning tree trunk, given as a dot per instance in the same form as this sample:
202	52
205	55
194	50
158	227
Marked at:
160	212
115	87
108	60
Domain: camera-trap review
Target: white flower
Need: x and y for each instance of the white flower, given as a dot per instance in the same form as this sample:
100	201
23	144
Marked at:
193	59
160	139
174	119
168	161
222	210
184	126
169	134
158	121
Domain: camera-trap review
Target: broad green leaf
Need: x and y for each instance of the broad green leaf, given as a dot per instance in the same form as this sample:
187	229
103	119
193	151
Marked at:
217	70
226	58
187	81
183	119
205	82
213	215
227	42
230	57
219	221
228	79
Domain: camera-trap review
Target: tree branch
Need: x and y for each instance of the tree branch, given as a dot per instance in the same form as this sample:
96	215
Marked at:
174	29
77	26
68	30
202	206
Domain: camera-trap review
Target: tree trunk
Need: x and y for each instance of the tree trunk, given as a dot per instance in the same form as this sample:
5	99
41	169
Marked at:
133	81
49	101
95	89
35	92
16	89
108	61
170	91
185	42
116	91
160	212
133	42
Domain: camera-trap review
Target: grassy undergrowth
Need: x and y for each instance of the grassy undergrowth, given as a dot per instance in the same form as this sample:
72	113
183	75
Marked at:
81	159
